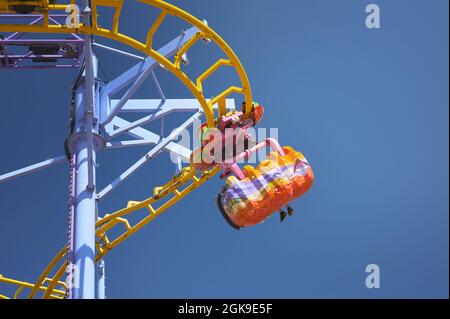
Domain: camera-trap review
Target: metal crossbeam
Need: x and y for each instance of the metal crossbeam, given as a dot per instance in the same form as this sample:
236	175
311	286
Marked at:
148	156
157	111
33	168
130	143
121	52
137	75
144	134
172	105
17	39
140	122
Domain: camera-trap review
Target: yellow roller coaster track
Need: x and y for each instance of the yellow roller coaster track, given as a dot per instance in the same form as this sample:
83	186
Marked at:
51	284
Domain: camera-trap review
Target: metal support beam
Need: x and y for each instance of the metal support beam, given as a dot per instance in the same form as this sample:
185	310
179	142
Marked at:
121	52
101	280
140	122
142	133
130	92
132	143
85	192
137	74
33	168
174	105
84	229
156	111
91	71
148	156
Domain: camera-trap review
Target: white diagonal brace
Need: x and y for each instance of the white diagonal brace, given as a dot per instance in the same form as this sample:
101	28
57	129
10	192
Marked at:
130	143
177	105
148	156
137	74
156	110
140	122
32	168
142	133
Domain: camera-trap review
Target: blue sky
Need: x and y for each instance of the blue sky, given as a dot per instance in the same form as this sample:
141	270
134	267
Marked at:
368	108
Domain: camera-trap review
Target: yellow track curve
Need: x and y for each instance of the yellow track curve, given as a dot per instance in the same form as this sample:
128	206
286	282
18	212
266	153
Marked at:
50	283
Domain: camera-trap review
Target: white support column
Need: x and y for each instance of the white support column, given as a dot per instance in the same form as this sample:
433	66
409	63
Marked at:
85	190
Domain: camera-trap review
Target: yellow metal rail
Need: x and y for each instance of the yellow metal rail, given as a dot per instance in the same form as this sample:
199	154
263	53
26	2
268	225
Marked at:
51	284
194	85
22	285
